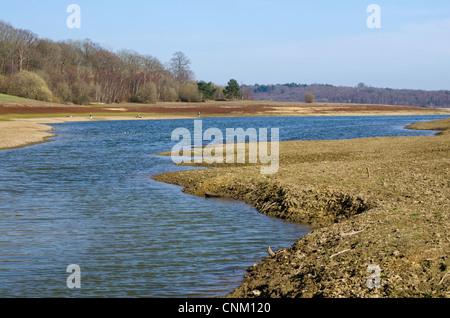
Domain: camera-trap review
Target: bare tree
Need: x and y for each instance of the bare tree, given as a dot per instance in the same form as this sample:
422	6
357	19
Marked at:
179	65
7	34
246	93
25	40
83	71
151	64
132	60
15	47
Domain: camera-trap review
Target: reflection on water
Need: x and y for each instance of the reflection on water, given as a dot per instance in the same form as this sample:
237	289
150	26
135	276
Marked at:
87	198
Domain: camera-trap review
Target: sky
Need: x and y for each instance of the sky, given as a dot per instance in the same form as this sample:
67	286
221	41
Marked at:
264	41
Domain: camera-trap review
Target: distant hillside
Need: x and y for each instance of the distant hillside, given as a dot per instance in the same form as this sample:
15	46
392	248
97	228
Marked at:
361	94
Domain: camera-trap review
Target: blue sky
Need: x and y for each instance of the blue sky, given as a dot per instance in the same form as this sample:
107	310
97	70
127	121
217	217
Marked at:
265	41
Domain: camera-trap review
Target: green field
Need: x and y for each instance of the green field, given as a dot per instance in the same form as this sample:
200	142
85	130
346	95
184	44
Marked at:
4	96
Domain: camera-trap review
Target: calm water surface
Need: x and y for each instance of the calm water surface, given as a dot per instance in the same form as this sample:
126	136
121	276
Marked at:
87	198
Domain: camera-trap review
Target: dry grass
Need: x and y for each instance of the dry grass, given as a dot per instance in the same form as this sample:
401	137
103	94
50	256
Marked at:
13	107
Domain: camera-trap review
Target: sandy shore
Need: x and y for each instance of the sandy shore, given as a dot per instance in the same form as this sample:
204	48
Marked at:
15	134
377	205
18	133
21	120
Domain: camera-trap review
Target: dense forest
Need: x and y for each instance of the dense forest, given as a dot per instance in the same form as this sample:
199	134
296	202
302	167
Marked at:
83	72
360	94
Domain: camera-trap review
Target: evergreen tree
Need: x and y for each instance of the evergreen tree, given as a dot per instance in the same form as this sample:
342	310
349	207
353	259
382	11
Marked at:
207	90
232	91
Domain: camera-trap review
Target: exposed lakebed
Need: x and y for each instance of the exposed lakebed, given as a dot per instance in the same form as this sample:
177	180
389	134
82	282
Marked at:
87	198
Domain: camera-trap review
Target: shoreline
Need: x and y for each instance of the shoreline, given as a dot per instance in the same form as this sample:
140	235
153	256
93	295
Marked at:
382	201
18	132
23	132
345	208
15	135
27	114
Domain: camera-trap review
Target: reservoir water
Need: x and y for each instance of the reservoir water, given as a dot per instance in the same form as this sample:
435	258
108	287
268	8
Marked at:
88	198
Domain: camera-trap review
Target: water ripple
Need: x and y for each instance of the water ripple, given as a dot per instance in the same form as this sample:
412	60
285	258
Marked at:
88	198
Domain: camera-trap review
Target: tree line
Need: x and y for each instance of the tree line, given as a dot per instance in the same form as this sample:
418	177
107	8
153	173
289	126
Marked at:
83	72
361	94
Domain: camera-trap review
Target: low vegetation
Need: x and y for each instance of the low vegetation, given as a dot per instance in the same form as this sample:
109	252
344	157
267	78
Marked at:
28	85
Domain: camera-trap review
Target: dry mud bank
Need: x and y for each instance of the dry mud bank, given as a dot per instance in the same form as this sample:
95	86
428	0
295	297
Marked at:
380	202
15	134
20	117
23	132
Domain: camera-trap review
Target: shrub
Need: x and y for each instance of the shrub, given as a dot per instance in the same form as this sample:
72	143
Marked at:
82	93
3	84
309	98
189	93
63	92
168	94
147	94
219	95
29	85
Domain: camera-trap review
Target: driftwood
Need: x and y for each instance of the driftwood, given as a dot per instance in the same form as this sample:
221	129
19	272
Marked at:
446	274
340	253
269	250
